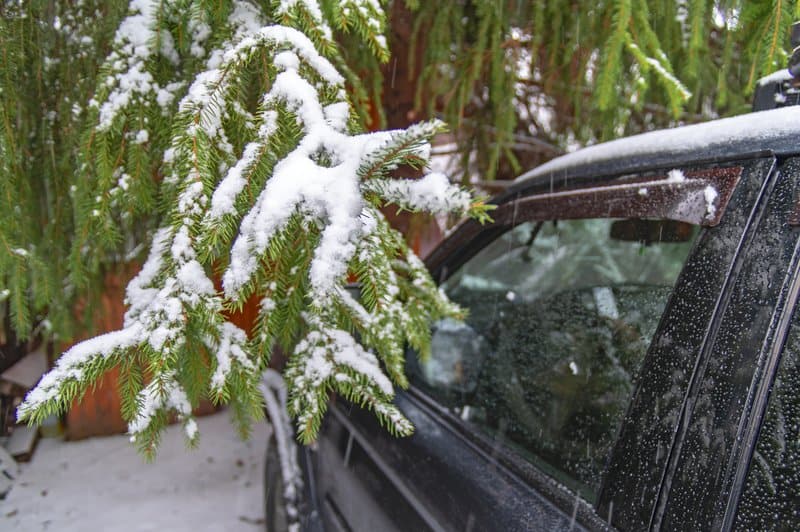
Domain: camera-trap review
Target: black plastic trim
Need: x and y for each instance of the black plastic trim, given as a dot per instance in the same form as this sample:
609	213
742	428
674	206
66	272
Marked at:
387	471
560	496
749	432
746	238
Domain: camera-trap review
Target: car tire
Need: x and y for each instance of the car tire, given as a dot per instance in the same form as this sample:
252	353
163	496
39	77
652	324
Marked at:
275	516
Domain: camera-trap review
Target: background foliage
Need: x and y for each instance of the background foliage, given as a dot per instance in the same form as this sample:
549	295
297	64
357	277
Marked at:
521	82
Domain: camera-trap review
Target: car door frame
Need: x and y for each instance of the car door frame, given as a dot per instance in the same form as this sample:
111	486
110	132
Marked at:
470	237
742	360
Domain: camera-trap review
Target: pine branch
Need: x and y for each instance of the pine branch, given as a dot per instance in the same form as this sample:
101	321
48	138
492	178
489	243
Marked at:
289	206
611	62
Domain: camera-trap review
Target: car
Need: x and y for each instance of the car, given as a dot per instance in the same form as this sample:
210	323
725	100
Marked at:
630	361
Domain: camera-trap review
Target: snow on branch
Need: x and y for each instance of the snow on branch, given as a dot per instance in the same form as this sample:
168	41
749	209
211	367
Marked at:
363	17
308	15
61	384
330	359
433	193
284	200
129	77
163	394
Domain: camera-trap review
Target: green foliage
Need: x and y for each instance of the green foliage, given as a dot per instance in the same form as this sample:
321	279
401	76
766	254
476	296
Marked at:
230	145
766	27
47	50
523	81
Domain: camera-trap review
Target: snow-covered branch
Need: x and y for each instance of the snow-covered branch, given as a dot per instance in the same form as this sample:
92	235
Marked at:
283	198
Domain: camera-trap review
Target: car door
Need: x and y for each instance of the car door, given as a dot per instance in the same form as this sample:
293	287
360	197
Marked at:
525	414
731	384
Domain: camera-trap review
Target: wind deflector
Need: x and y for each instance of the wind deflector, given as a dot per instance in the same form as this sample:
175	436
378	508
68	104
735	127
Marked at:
696	197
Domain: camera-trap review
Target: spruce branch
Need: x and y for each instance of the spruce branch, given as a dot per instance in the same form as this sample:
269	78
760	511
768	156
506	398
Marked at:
281	196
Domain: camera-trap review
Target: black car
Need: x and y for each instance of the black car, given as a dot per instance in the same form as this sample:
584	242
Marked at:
631	359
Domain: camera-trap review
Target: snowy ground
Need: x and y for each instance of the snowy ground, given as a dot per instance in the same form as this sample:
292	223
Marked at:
103	484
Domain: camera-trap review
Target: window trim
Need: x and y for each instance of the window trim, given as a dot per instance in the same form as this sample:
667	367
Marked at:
700	198
770	355
650	196
785	310
641	463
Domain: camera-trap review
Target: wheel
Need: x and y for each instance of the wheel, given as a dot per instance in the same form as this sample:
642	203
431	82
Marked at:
274	503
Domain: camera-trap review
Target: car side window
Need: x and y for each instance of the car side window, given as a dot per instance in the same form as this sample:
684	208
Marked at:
771	500
561	315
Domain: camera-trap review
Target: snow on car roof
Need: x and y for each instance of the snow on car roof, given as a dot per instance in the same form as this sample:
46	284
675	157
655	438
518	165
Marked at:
777	130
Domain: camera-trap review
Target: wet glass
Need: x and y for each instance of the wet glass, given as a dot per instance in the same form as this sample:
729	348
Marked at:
561	315
771	497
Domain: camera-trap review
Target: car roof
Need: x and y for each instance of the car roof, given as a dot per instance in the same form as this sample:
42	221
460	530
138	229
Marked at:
775	131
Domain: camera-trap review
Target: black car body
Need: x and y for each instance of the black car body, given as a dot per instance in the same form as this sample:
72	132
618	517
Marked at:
646	377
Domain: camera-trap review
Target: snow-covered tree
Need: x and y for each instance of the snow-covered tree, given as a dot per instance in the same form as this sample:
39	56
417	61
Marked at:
238	122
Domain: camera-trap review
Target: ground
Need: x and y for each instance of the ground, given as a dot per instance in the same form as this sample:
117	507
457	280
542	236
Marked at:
103	484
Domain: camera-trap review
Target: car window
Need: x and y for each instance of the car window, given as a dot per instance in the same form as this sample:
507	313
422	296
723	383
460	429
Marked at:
771	500
561	315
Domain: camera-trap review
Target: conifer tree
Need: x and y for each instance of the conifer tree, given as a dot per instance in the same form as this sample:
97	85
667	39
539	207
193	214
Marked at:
228	139
236	118
521	82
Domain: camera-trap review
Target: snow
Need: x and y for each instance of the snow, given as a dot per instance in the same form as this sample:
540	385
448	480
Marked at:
190	429
157	314
669	77
573	367
675	176
325	349
104	484
273	388
139	294
132	49
319	180
282	35
710	194
759	130
432	193
168	47
355	307
776	77
193	277
163	393
224	198
299	183
245	18
71	365
200	32
285	7
228	351
331	194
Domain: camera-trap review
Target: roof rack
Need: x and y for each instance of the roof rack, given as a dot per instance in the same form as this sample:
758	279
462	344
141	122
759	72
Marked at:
782	88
